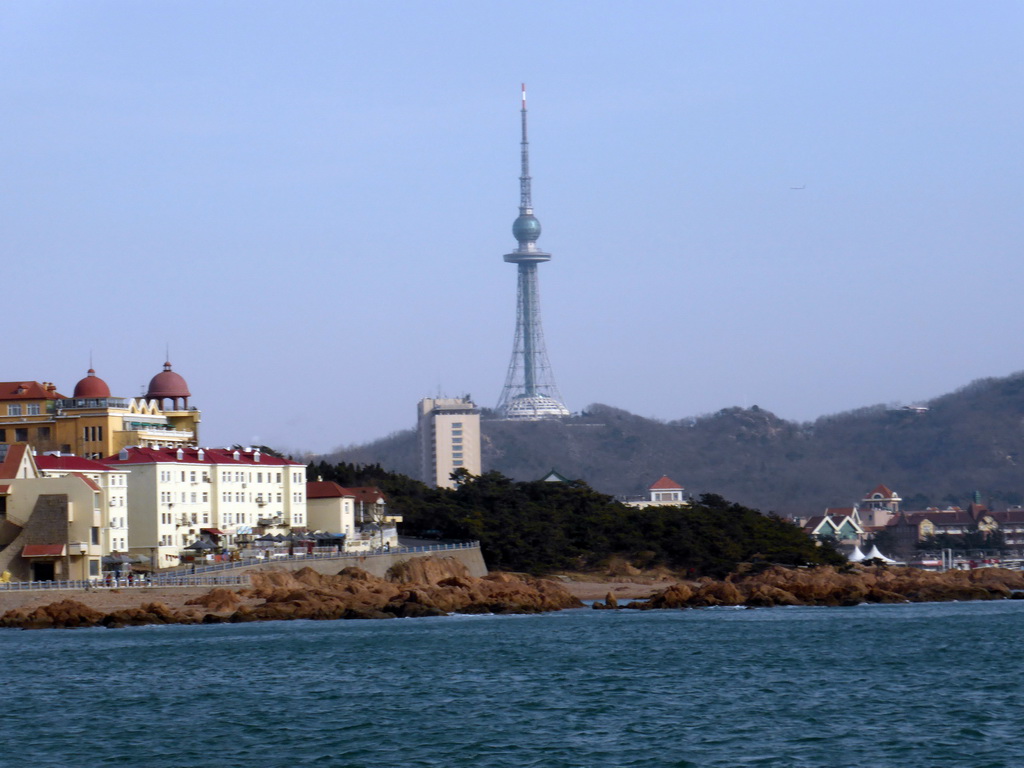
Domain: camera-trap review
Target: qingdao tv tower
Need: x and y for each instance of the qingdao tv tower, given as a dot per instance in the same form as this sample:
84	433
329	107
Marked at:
530	391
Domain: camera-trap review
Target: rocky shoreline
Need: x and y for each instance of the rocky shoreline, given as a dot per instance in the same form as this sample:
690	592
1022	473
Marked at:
830	586
420	587
438	587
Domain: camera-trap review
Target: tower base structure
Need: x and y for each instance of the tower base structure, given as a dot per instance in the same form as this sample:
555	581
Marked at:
534	407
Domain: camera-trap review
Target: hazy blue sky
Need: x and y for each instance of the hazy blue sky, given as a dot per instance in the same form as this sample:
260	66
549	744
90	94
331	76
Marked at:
309	202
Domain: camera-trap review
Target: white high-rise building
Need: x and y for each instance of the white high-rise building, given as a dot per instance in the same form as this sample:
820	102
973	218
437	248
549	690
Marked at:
449	431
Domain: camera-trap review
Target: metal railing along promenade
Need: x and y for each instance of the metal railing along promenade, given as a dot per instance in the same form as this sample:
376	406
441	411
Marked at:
214	575
332	555
98	584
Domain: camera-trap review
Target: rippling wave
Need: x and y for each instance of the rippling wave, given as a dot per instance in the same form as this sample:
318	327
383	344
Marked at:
913	686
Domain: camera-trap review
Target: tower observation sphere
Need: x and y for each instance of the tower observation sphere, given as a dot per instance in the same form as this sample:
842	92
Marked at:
526	228
530	391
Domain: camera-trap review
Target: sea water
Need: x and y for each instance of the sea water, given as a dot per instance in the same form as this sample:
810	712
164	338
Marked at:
882	685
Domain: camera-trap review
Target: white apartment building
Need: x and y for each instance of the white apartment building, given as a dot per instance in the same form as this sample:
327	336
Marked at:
177	494
449	433
113	494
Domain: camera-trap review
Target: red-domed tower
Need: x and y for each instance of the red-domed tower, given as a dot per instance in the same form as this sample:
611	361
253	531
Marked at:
168	385
92	386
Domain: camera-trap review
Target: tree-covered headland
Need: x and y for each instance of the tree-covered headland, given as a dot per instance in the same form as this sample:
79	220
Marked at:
540	527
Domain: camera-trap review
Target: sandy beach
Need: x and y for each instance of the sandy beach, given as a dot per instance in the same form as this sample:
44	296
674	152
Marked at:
629	590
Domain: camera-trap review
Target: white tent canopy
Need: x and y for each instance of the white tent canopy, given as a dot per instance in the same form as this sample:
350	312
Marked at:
876	553
856	556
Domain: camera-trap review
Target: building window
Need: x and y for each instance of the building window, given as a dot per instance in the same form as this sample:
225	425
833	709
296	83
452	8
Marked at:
21	435
456	425
32	409
3	435
14	410
456	440
95	535
456	463
456	455
456	431
94	567
43	433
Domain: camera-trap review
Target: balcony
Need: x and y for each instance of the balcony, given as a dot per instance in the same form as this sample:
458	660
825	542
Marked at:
71	404
155	431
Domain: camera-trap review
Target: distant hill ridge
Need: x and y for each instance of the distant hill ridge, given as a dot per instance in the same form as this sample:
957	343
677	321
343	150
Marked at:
966	441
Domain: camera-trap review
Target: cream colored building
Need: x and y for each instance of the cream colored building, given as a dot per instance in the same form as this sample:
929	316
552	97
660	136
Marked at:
330	508
113	485
57	523
360	513
177	495
449	434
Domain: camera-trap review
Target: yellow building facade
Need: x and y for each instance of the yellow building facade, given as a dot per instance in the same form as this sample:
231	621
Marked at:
94	424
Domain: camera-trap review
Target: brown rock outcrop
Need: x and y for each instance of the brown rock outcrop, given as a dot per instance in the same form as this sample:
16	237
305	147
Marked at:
426	588
428	570
59	615
217	600
826	585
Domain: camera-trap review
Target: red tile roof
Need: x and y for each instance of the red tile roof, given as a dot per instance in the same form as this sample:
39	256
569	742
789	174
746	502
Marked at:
368	494
27	390
43	550
881	489
1006	516
70	463
86	480
326	489
666	484
9	466
137	455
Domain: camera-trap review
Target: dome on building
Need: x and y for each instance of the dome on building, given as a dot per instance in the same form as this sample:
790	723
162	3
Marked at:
91	386
167	383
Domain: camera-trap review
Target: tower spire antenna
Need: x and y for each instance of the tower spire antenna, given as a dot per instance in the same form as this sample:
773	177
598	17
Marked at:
530	391
525	192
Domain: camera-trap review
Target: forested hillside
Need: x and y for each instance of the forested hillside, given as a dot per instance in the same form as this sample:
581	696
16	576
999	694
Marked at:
543	527
972	439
